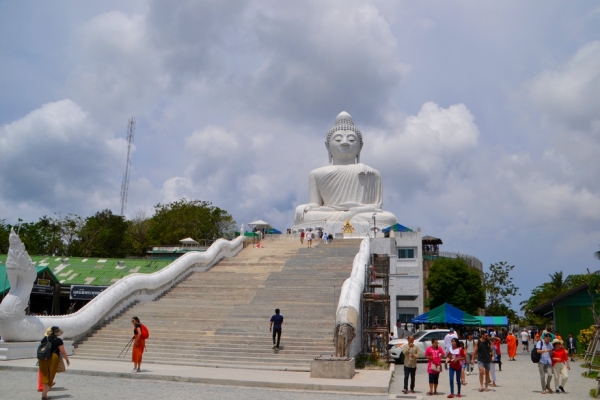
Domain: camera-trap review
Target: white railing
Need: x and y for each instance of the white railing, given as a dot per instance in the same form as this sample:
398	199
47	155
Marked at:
110	302
347	319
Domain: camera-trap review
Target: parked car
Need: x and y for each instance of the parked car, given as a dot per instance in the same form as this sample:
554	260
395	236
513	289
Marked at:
422	339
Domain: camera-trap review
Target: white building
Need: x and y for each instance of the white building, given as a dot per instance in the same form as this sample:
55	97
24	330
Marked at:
406	273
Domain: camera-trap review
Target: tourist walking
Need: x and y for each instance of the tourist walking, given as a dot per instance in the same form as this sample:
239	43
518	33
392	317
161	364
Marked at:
139	344
545	348
434	354
49	366
454	357
511	346
469	347
572	346
302	237
483	352
498	353
275	327
560	365
525	340
309	238
463	364
411	354
448	342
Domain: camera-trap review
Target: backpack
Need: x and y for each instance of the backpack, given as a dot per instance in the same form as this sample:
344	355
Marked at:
145	334
44	351
535	356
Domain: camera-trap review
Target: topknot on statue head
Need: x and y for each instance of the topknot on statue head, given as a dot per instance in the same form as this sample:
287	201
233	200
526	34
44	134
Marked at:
344	122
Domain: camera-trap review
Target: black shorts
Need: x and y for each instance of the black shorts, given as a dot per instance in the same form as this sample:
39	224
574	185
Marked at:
434	378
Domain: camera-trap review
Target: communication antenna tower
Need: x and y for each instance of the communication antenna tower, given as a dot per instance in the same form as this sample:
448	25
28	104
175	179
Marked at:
125	184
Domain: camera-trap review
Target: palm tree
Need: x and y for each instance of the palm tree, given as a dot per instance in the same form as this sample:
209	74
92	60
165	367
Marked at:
557	283
597	255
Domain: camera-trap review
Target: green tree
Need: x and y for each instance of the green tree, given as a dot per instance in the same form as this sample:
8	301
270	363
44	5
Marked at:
103	235
499	288
138	235
597	254
4	233
452	281
189	218
70	231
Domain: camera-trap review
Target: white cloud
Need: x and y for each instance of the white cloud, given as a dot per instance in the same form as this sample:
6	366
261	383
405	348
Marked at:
570	94
57	158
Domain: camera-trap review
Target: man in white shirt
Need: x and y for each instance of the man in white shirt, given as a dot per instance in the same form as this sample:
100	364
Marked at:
448	342
525	340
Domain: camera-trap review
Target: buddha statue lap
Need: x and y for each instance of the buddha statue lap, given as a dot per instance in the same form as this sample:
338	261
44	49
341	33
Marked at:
346	189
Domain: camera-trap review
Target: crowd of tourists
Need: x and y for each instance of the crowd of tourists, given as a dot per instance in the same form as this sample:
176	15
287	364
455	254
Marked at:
317	236
481	352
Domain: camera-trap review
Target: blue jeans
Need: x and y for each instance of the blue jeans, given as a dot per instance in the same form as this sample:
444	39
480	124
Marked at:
452	373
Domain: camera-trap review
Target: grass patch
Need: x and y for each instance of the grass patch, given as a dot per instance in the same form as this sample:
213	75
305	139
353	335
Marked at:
593	393
591	375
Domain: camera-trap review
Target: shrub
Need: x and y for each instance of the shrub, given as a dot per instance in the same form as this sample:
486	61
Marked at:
585	337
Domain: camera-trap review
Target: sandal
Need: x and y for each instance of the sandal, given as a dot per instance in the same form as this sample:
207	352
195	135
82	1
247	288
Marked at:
481	389
429	393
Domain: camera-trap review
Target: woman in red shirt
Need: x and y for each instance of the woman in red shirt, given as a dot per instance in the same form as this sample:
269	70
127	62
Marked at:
560	365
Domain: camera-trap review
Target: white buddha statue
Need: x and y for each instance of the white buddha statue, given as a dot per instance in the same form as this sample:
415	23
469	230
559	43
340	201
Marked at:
346	189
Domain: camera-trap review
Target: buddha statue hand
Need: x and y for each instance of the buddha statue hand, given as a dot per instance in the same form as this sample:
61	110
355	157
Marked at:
365	170
303	208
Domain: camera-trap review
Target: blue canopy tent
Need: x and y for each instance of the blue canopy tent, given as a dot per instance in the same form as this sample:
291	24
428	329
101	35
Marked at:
396	228
493	320
273	231
446	314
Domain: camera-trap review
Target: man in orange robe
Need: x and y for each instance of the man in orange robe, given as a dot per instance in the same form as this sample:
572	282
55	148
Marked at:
511	344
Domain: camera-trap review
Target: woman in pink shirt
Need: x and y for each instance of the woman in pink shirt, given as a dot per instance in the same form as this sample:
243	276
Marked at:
434	354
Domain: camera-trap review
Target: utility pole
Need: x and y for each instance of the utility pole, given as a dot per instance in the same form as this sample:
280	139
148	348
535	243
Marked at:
125	184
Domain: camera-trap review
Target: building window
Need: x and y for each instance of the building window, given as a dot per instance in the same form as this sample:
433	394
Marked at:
406	252
404	318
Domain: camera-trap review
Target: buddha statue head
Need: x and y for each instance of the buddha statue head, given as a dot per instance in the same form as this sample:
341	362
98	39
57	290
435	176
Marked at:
344	141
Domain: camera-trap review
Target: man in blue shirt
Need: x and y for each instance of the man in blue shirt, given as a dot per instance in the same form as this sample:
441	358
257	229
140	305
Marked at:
545	365
275	327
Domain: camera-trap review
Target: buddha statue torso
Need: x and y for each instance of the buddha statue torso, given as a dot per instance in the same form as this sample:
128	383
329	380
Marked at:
347	189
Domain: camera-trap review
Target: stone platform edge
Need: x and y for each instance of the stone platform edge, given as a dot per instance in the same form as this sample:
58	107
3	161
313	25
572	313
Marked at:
377	383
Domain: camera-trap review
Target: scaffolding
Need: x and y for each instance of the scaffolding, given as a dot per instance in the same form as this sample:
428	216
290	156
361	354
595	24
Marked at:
375	306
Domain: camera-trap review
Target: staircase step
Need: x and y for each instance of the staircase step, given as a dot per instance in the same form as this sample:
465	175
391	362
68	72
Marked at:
220	317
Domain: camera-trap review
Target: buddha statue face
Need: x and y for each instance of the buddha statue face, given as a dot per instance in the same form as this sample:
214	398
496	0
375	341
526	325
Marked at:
344	141
344	147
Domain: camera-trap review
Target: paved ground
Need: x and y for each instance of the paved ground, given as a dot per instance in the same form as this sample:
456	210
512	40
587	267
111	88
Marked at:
82	370
518	379
21	385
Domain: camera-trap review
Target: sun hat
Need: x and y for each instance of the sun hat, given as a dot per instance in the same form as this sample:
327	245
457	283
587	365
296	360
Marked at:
557	341
56	331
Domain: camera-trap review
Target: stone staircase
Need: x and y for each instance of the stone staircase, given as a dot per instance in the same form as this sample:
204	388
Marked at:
221	317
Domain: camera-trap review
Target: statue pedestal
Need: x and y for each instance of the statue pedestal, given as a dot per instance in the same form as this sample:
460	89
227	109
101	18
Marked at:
332	367
361	229
18	350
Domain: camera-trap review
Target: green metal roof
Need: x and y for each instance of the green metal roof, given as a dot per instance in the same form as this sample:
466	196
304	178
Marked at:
87	271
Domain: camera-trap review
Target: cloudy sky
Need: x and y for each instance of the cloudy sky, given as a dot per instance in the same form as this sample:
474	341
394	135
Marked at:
483	117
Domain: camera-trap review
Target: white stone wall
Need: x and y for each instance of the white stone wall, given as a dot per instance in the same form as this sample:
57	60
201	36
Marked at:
406	275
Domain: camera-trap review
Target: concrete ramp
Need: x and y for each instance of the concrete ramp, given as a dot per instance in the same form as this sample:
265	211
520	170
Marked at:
221	317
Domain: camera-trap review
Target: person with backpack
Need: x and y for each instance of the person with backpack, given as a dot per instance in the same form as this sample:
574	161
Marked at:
544	349
140	334
48	354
